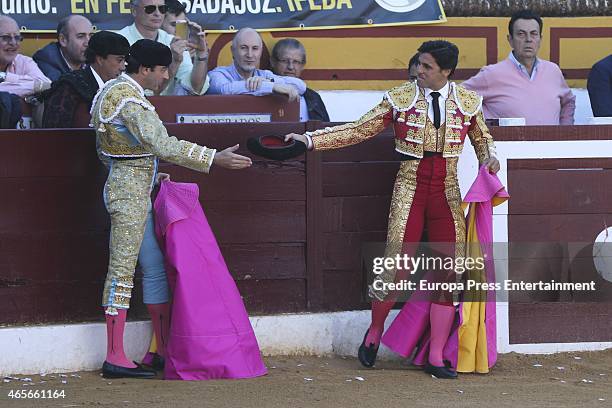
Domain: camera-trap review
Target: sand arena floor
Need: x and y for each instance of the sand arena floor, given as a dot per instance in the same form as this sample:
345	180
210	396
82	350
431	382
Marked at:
561	380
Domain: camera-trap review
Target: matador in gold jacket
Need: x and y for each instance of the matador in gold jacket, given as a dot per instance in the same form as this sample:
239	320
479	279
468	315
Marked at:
431	119
130	140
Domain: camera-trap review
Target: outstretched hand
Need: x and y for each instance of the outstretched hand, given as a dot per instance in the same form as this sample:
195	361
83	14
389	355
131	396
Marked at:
162	177
298	137
230	160
492	164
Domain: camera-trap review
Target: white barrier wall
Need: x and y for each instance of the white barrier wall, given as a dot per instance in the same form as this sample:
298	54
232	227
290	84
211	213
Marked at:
78	347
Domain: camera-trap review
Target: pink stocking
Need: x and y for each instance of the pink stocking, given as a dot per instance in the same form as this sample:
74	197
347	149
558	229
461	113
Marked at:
115	353
380	311
160	317
441	318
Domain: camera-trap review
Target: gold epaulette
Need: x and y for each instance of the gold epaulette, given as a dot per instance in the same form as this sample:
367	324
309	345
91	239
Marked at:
468	102
116	97
403	97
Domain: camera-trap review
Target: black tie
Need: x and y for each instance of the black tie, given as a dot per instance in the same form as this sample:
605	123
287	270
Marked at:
436	108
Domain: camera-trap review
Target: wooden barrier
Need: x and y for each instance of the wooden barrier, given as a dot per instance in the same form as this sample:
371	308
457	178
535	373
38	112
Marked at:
207	109
172	109
291	232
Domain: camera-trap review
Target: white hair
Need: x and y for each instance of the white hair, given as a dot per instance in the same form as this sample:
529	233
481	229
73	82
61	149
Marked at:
7	19
241	32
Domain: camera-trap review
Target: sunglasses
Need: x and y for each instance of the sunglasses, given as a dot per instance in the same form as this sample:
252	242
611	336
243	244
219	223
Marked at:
151	9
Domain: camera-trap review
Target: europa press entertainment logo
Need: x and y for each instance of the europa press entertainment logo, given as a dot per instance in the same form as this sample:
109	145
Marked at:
400	6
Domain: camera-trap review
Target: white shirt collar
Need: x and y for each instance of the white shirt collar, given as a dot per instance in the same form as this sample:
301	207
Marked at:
443	91
97	77
523	68
66	61
134	83
139	36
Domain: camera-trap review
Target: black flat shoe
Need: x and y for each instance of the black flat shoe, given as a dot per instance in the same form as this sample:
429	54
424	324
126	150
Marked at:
158	362
114	371
367	354
440	372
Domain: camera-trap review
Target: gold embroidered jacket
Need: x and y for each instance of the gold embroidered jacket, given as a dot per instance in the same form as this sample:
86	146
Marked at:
406	107
127	126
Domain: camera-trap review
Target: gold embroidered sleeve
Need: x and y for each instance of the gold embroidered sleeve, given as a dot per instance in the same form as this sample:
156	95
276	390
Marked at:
366	127
481	138
146	126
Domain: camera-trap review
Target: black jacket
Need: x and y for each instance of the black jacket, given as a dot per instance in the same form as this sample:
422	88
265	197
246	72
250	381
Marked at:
65	95
50	61
316	107
10	110
599	85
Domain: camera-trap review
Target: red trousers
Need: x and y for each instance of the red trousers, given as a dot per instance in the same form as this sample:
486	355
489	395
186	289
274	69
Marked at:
426	193
430	207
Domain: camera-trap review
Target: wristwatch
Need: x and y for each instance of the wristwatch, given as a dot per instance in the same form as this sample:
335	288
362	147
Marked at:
2	77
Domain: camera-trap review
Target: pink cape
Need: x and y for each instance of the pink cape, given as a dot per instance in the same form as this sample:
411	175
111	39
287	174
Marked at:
475	342
211	335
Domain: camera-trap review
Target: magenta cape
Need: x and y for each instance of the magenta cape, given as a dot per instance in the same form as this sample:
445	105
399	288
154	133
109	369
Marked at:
472	345
210	335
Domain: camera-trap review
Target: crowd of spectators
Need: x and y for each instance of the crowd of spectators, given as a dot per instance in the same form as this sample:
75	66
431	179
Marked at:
69	71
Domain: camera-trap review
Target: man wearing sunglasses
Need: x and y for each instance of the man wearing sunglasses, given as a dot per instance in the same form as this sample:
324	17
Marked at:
185	75
19	74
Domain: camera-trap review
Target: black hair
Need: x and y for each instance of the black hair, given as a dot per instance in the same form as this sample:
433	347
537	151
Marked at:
90	55
105	43
62	26
413	61
175	7
148	54
133	65
446	54
524	15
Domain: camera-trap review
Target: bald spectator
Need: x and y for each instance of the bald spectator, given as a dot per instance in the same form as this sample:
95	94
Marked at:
185	76
106	56
68	52
19	74
289	59
523	85
244	77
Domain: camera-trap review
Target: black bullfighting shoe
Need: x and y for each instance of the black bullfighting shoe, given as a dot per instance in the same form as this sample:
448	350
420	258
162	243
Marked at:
114	371
367	354
440	372
158	362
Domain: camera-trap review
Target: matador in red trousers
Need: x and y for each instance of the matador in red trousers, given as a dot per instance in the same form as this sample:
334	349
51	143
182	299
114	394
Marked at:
431	119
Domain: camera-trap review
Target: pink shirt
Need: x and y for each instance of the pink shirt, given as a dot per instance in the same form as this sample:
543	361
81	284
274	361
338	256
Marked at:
23	77
509	93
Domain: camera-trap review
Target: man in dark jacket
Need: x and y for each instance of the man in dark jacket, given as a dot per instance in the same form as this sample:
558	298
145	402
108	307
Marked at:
288	59
599	85
10	110
106	56
68	53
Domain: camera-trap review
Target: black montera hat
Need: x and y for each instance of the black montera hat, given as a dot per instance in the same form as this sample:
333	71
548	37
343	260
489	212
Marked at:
150	53
275	147
106	43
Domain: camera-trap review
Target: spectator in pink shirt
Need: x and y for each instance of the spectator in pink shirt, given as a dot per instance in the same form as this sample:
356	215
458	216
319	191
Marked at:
19	74
523	85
